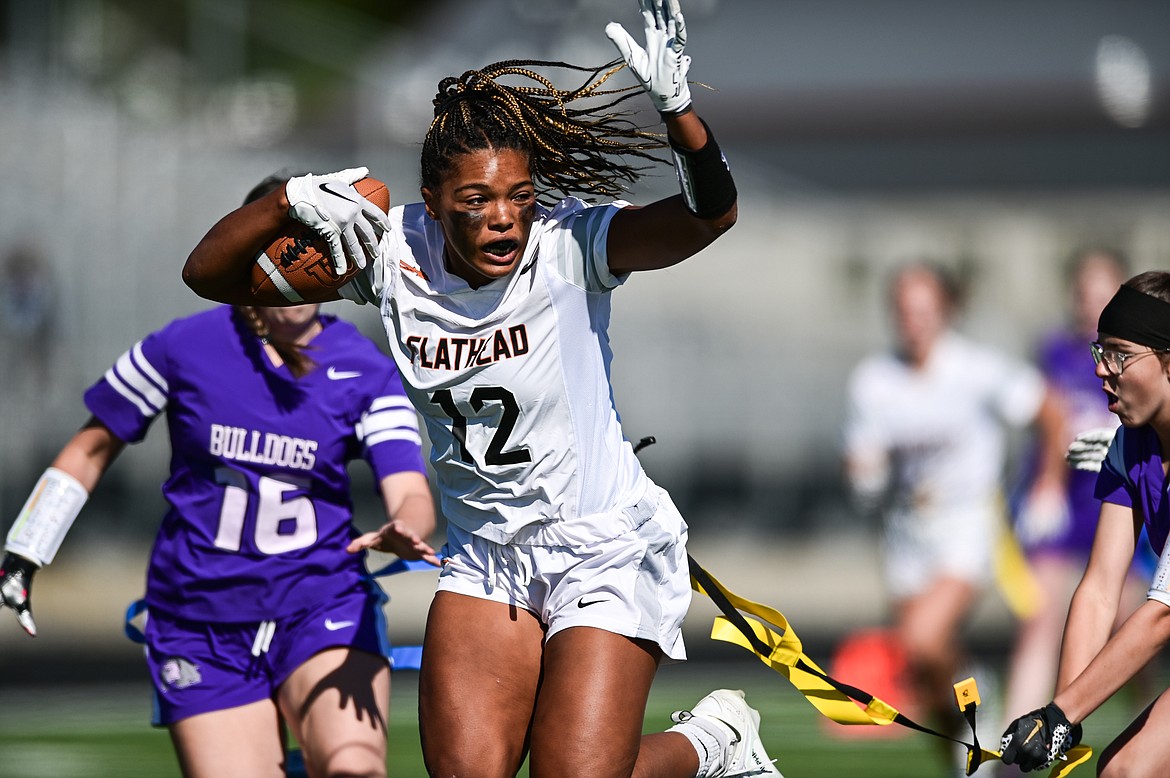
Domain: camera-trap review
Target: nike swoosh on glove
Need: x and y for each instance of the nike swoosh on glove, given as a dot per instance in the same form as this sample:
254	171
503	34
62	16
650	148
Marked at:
1038	739
329	204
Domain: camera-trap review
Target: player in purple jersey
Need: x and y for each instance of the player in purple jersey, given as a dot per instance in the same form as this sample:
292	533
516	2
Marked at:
1057	533
260	609
550	622
1096	275
1132	354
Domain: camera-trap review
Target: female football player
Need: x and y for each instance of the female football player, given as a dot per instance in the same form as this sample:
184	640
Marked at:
259	606
1057	541
566	578
925	440
1132	353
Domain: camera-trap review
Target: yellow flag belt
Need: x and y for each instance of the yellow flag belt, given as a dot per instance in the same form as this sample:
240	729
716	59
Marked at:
771	638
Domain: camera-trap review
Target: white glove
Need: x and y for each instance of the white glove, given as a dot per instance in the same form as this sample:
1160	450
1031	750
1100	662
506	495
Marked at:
1088	450
867	472
1043	515
661	67
330	205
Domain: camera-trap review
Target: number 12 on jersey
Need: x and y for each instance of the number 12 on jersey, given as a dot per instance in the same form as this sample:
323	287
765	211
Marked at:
483	401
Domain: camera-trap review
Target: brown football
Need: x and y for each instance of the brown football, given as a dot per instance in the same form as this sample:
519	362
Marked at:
296	265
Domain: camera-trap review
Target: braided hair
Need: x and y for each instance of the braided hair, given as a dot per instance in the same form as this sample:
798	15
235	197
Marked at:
584	150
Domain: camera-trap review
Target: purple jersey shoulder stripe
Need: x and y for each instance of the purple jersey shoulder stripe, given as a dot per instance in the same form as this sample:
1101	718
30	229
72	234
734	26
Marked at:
389	418
133	377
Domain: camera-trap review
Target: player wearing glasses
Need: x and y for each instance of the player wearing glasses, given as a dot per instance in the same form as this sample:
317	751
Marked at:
1132	356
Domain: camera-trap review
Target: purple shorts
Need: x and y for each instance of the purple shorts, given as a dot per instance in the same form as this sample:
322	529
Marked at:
199	667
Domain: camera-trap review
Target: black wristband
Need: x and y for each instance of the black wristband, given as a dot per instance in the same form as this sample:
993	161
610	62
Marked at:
15	564
705	178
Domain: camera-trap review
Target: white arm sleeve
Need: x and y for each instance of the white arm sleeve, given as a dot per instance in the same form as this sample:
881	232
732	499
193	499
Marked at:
46	517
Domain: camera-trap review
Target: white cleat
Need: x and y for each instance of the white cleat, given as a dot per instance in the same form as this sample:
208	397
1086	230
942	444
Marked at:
746	756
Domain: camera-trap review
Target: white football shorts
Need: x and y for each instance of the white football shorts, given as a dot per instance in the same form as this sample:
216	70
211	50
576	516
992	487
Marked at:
636	584
920	548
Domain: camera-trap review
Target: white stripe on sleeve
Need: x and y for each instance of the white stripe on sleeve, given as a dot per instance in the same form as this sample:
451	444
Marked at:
121	388
144	364
389	401
131	376
398	434
384	420
391	417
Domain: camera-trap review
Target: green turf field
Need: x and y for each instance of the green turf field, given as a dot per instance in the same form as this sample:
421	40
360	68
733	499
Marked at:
93	731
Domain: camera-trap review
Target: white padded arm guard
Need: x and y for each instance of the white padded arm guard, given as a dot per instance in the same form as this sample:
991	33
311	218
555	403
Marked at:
46	517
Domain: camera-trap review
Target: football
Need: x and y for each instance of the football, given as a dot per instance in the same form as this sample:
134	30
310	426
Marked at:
296	265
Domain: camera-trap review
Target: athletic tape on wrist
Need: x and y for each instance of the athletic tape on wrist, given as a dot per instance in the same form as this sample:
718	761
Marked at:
46	517
705	178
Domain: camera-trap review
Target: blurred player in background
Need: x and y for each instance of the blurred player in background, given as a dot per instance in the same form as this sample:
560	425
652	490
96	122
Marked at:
27	318
1132	355
566	578
924	442
1057	536
259	606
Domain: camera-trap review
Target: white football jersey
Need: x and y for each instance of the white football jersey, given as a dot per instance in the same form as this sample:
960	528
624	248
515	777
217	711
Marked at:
941	430
512	378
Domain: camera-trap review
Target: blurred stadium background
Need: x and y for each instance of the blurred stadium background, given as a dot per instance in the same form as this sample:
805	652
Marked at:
994	137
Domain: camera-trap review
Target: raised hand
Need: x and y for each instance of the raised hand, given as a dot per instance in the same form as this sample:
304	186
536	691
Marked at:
661	67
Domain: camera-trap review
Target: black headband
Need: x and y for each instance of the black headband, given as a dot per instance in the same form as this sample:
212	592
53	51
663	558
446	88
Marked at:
1137	317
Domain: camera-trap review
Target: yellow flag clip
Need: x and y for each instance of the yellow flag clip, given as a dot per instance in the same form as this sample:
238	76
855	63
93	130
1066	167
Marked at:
781	649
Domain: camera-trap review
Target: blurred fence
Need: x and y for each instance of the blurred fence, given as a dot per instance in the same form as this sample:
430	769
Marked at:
734	360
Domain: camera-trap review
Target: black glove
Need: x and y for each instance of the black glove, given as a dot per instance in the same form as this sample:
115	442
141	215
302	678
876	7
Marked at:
16	574
1038	739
